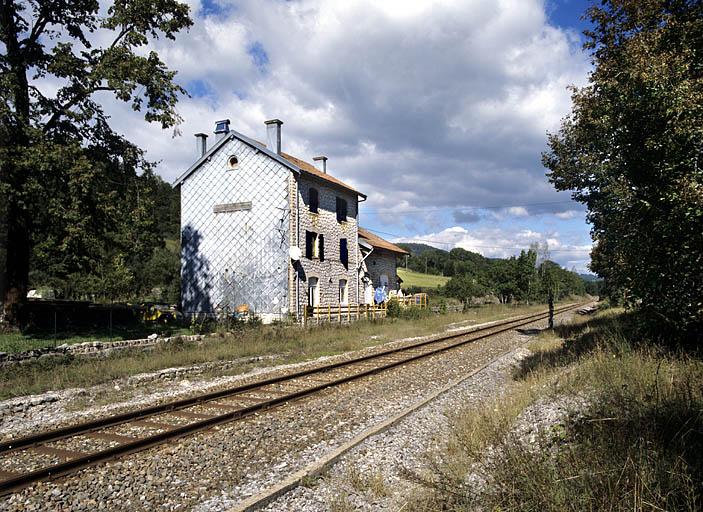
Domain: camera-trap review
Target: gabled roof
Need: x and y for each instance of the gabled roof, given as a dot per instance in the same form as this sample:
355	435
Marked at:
293	163
229	136
380	243
310	169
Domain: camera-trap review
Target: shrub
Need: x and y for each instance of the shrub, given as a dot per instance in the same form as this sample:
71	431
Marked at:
394	309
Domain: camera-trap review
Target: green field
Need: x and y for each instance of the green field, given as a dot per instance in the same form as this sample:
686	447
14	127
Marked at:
421	280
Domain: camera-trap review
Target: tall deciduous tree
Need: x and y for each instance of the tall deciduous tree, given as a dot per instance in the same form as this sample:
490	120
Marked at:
55	134
632	151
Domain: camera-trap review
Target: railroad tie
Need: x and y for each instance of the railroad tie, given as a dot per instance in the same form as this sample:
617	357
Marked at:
191	415
220	405
58	452
111	437
7	475
153	424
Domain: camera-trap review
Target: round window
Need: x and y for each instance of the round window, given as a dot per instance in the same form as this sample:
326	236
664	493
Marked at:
232	162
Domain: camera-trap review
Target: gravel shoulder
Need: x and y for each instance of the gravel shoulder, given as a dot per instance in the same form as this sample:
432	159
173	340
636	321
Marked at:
35	413
214	470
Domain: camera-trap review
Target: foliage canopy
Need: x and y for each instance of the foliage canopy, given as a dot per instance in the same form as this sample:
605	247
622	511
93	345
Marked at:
77	196
632	151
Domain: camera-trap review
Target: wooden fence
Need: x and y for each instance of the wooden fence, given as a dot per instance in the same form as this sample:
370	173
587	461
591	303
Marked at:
348	313
418	300
340	313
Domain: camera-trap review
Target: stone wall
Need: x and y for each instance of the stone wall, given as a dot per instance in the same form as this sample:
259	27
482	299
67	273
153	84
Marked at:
379	262
330	271
91	348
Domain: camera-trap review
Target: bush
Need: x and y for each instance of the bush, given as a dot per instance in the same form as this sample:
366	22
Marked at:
394	309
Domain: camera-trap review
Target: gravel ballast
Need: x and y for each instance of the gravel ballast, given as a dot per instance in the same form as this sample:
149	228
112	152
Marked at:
216	469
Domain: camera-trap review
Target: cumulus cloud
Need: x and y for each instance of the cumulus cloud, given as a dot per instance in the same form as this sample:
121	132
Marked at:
419	104
568	214
506	242
436	103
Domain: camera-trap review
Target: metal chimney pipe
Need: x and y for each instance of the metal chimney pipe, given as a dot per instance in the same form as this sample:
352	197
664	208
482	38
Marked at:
273	135
221	128
201	144
321	163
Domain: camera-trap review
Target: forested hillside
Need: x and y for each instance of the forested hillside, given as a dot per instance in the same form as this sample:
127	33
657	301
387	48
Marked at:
141	262
526	278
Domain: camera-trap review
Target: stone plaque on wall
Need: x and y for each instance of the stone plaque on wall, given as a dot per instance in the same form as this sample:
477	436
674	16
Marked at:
232	207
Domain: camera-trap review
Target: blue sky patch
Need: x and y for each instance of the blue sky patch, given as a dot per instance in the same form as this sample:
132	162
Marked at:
213	8
258	55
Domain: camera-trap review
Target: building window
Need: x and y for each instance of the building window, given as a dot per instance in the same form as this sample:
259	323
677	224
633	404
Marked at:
314	246
344	253
384	280
313	200
313	292
343	292
341	210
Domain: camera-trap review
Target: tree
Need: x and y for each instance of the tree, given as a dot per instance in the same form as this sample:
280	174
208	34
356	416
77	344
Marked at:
526	275
632	151
64	139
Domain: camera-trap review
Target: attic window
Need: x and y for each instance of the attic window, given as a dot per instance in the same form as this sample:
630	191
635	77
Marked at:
232	162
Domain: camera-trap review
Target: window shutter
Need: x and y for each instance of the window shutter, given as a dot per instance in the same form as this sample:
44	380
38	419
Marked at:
321	239
314	200
341	210
308	244
343	253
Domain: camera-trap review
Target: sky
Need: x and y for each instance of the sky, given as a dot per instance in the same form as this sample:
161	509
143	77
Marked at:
437	110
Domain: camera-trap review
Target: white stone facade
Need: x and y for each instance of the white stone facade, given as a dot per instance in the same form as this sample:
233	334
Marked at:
235	234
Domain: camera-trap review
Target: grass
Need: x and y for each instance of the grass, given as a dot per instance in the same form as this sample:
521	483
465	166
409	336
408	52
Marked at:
635	445
19	342
420	280
371	482
292	344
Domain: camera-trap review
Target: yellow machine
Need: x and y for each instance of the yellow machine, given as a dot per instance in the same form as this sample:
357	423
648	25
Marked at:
162	313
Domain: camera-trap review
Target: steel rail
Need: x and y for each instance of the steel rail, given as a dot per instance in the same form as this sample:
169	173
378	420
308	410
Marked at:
12	484
118	419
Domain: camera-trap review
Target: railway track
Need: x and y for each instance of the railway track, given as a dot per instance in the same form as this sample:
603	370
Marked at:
65	450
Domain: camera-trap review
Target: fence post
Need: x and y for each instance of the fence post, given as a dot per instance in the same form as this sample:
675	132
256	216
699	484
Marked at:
339	314
329	312
348	313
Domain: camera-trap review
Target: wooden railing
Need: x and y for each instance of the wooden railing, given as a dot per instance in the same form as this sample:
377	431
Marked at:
419	300
344	313
348	313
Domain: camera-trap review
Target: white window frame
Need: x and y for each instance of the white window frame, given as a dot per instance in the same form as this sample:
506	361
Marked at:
316	246
313	291
343	292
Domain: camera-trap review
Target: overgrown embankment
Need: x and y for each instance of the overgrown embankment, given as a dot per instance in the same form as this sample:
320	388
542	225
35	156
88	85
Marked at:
605	420
287	344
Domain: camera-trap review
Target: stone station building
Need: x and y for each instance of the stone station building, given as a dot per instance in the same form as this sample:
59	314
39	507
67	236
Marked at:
269	233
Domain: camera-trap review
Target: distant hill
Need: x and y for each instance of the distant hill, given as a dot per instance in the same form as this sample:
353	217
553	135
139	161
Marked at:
418	249
589	278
